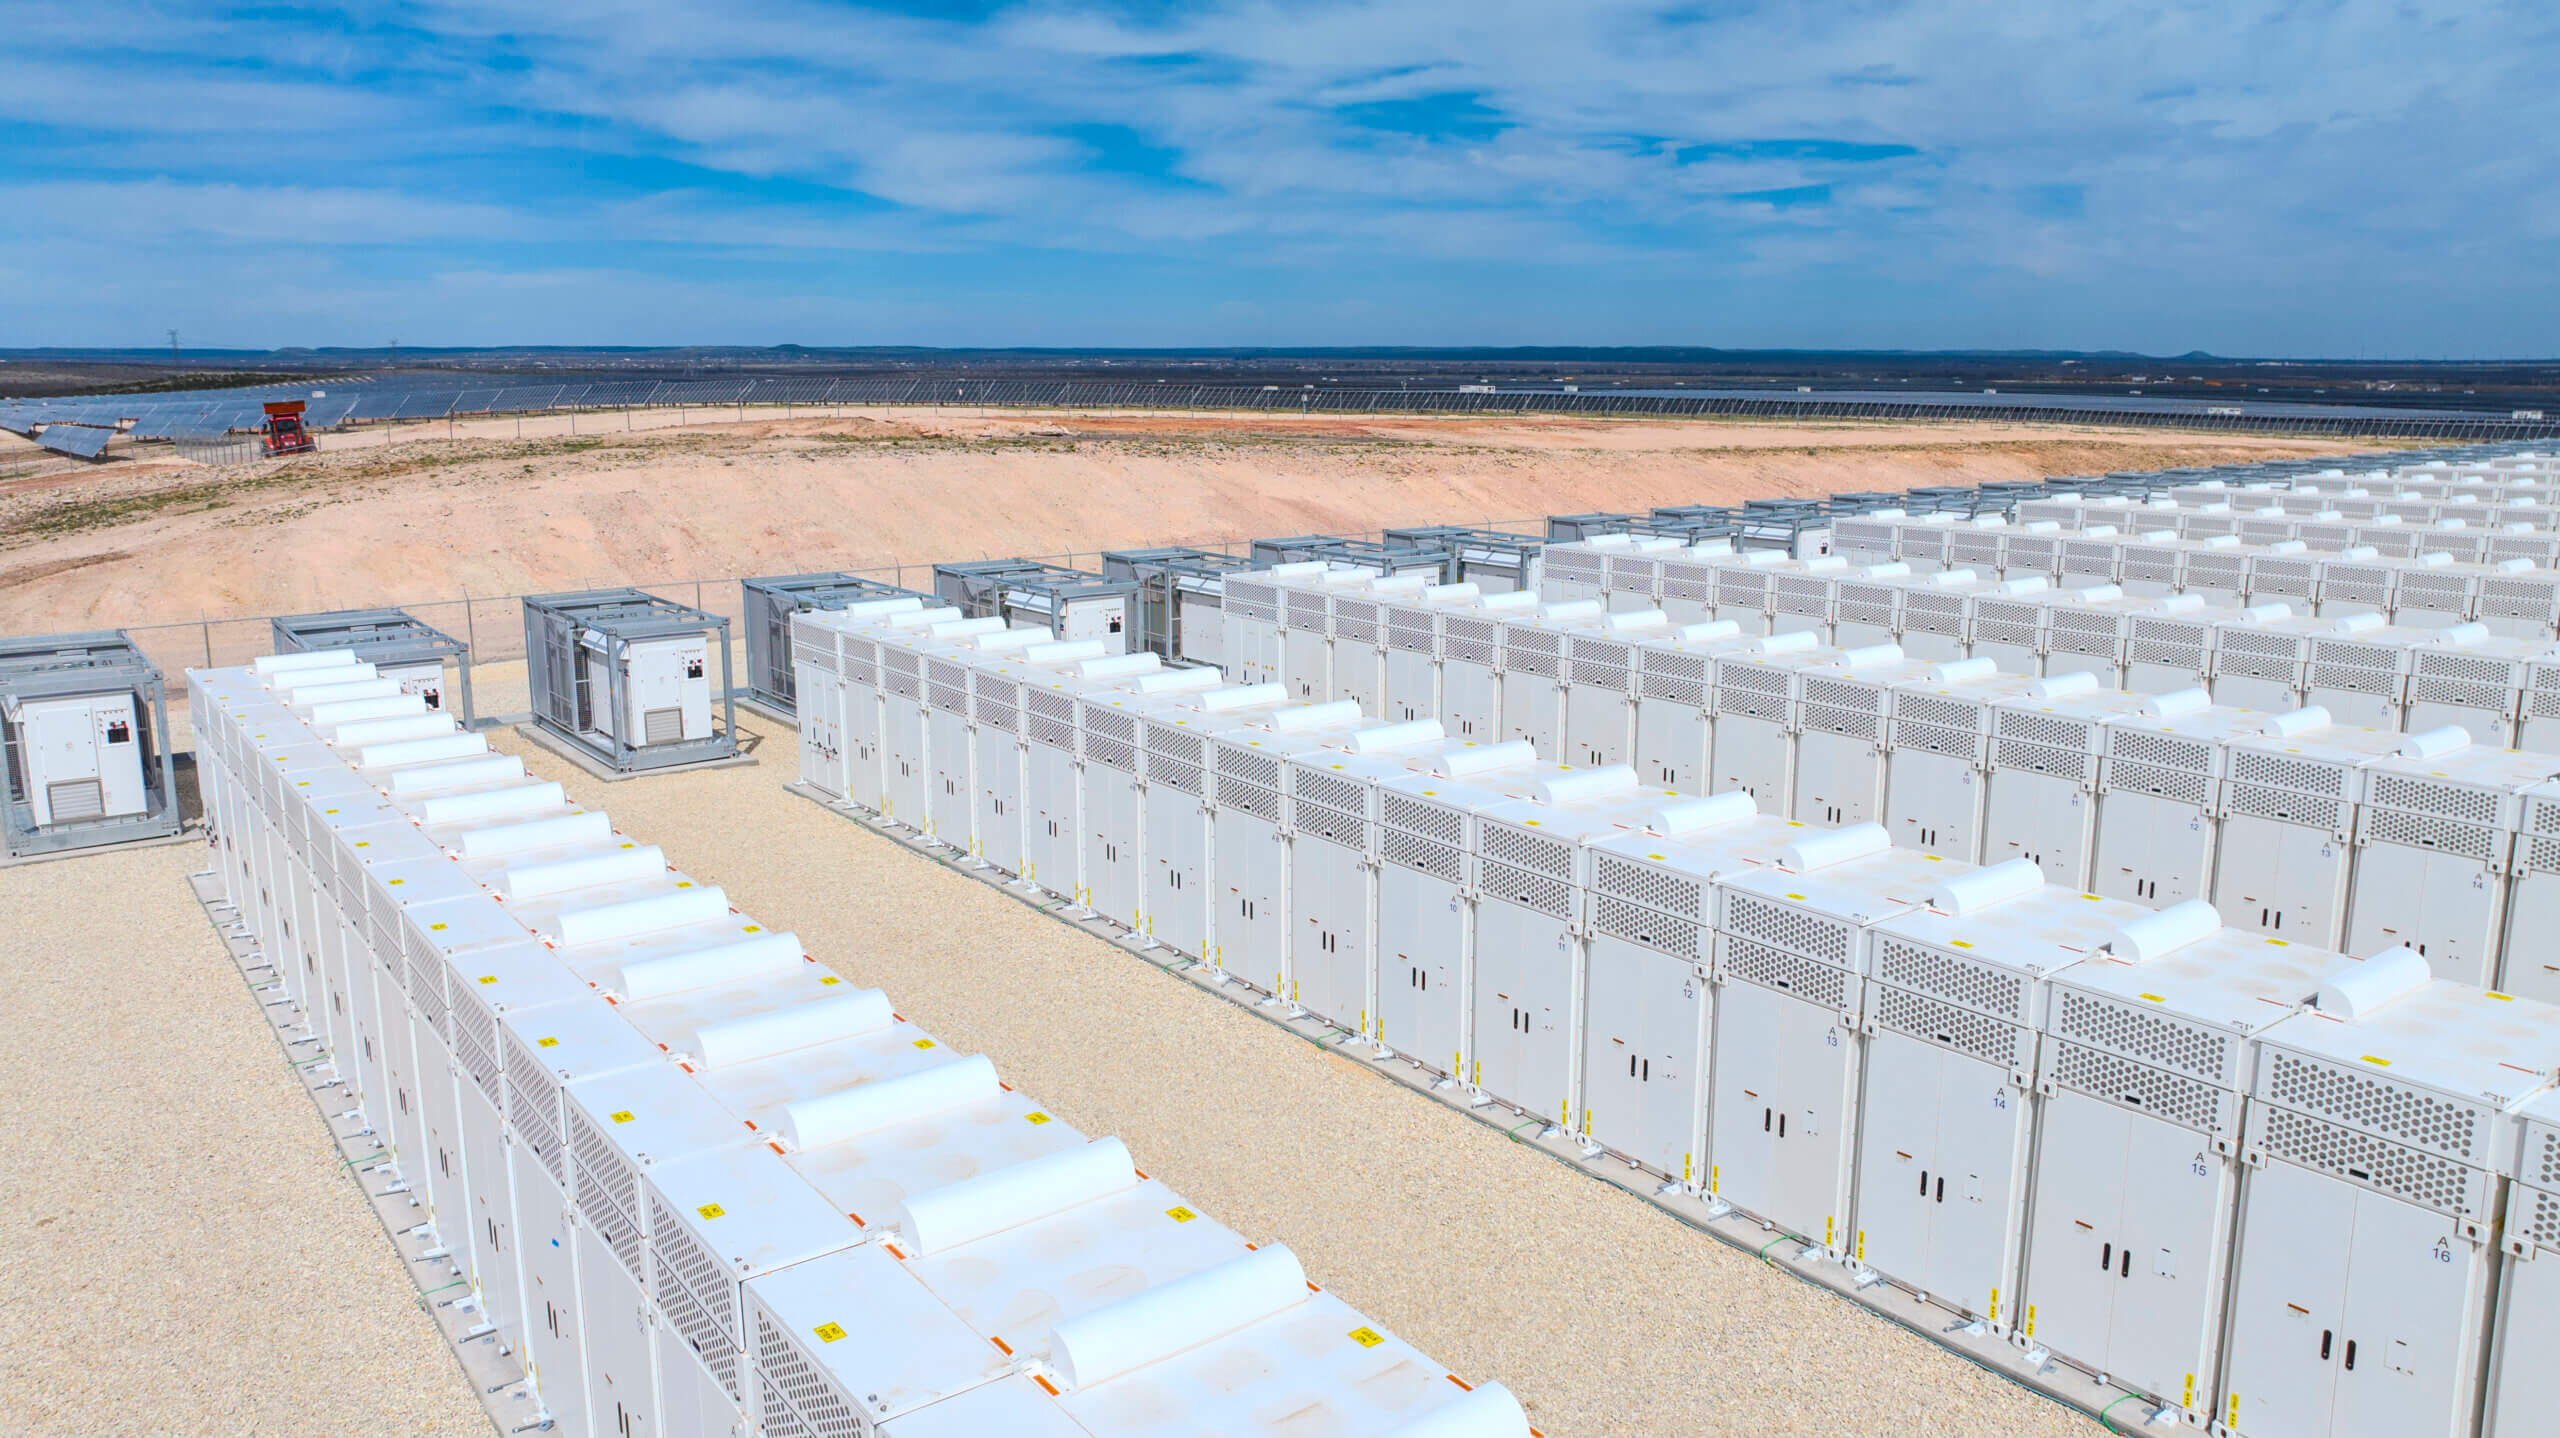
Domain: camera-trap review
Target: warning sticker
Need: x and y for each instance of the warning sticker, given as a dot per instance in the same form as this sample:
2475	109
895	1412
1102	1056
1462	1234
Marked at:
710	1210
1366	1337
1180	1214
623	1117
828	1332
1035	1118
542	1043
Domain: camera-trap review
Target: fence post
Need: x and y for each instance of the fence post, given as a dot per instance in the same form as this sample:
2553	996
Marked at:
471	628
207	627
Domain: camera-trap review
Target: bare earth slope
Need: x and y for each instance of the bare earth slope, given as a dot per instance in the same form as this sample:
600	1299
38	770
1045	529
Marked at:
421	519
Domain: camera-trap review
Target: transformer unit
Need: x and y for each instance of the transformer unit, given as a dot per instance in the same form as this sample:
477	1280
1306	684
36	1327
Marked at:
1181	599
1956	990
2434	850
1069	603
2149	1047
625	678
1790	1001
395	643
771	603
2380	1132
85	723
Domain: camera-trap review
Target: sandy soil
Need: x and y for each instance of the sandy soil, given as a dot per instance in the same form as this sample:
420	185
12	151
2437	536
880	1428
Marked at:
375	521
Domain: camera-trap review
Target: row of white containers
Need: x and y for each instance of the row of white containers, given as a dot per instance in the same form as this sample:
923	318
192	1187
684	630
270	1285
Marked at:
696	1182
2270	1187
2294	823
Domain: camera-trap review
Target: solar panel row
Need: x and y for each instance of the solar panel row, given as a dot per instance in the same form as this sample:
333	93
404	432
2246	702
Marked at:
80	440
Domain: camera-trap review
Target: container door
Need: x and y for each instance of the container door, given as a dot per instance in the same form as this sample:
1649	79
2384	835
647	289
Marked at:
2288	1305
2076	1230
2409	1286
2169	1289
1644	1034
1422	936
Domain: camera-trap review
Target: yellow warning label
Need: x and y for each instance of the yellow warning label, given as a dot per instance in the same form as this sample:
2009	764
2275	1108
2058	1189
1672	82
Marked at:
2386	1063
1994	1314
828	1332
1862	1245
1035	1118
752	929
829	979
1366	1337
710	1210
1826	1230
2030	1327
541	1043
2190	1400
1179	1214
924	1043
488	978
435	928
624	1116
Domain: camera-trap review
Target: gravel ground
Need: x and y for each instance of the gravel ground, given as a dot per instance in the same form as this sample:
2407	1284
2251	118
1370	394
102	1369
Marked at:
179	1252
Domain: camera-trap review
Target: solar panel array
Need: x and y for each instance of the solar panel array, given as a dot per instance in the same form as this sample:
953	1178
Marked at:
214	412
82	441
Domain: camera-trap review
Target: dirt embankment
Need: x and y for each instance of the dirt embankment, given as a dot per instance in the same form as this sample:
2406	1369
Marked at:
429	518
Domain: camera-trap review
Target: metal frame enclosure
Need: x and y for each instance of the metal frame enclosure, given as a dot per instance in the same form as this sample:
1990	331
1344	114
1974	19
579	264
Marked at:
1164	576
381	637
768	604
1032	590
1494	560
557	626
62	666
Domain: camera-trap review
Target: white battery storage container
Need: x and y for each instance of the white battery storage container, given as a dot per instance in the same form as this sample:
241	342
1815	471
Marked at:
2149	1046
1184	909
2160	784
2042	799
1528	961
1532	672
1410	667
1790	999
1938	736
1839	715
1674	724
1956	989
2475	679
2283	861
1335	838
2524	1386
1754	697
1599	689
1471	664
1931	612
1250	834
1648	1007
1427	895
2435	846
2380	1132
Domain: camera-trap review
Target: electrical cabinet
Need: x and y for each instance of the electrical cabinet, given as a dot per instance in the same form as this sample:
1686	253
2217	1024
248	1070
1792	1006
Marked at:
669	689
81	757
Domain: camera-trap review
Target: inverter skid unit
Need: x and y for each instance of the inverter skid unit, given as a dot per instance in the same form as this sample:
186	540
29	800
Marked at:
627	1109
2381	1131
1600	685
2435	848
2524	1387
1336	842
2041	801
1649	998
1428	890
771	606
1674	724
1956	991
2290	803
84	723
626	678
2149	1048
1495	561
1069	603
1938	738
1525	1046
1841	710
1181	598
1790	1003
2160	804
396	643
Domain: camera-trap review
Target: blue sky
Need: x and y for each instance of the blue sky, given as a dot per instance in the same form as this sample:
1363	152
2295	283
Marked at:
2323	177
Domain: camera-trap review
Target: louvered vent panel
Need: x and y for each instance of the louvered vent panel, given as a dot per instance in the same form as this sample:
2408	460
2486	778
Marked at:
2179	1098
1787	973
